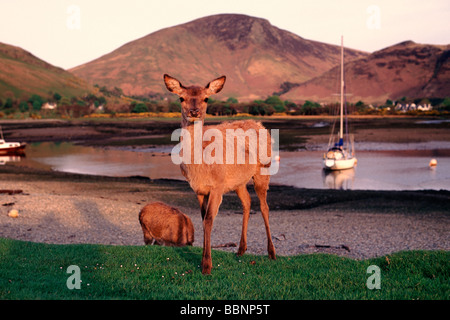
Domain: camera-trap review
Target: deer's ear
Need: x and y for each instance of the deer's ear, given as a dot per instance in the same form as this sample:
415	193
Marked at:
173	85
216	85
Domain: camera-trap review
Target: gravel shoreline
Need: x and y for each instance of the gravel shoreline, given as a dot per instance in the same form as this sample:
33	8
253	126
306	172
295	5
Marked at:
61	209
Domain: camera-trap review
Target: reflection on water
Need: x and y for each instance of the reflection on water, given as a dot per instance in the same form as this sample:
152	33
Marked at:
386	168
67	157
341	179
10	158
376	170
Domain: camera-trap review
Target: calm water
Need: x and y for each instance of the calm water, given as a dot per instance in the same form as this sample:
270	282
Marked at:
380	166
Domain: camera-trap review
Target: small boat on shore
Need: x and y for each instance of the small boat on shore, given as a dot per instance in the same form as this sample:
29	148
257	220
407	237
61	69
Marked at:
11	147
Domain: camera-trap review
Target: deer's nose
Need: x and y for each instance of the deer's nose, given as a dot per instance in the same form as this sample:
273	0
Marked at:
194	112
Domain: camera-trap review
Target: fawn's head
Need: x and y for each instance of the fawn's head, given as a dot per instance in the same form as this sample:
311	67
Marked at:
194	98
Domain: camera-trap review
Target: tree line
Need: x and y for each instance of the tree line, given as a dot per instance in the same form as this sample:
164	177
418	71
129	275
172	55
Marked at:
114	101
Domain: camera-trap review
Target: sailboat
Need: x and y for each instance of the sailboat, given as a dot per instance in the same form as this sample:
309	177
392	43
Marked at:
340	156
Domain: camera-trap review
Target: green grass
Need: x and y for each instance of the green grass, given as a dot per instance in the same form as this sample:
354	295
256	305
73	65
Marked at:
39	271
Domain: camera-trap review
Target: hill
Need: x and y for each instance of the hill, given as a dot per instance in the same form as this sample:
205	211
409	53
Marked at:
256	57
22	75
405	69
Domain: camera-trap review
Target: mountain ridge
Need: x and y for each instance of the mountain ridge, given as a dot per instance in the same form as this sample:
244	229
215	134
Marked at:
258	59
406	69
257	56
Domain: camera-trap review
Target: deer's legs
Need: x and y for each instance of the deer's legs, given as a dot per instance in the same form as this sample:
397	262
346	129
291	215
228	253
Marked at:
214	201
246	202
203	201
261	183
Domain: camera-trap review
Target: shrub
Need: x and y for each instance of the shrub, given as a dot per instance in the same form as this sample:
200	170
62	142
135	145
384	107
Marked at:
36	101
140	108
276	103
24	106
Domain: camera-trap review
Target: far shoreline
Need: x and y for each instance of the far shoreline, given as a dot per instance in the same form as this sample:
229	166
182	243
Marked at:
293	129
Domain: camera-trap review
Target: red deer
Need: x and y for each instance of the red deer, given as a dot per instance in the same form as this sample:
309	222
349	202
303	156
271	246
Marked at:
165	225
211	180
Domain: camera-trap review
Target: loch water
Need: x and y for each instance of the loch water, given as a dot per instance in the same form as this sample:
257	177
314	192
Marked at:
381	166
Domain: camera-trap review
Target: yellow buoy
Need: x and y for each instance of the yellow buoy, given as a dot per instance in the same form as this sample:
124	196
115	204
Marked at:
13	213
433	163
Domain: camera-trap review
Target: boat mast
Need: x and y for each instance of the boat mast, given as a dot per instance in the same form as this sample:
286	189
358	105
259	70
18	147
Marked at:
341	132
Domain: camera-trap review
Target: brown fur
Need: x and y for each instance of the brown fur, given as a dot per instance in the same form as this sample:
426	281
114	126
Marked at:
211	181
165	225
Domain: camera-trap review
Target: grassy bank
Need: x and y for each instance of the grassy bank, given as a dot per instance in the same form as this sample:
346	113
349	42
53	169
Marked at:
39	271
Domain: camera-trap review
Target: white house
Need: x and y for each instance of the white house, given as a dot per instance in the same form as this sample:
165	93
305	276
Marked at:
49	106
405	107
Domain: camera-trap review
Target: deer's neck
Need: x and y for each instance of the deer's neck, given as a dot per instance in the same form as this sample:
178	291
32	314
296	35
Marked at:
189	125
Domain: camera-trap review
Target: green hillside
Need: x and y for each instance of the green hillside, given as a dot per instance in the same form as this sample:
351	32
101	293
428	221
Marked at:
22	75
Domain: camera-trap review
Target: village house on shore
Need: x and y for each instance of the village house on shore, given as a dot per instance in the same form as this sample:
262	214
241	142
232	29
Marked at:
405	107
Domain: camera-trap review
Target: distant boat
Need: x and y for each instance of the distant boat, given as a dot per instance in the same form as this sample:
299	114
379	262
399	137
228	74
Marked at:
10	147
340	156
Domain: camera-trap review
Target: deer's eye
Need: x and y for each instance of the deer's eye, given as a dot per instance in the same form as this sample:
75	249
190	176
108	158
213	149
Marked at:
206	100
181	99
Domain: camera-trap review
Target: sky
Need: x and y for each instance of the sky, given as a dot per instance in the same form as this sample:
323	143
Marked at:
68	33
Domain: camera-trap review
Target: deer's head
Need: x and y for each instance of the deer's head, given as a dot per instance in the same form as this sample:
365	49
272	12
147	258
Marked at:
194	99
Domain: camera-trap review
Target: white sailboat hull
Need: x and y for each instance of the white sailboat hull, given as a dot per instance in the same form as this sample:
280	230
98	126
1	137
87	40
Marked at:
339	164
